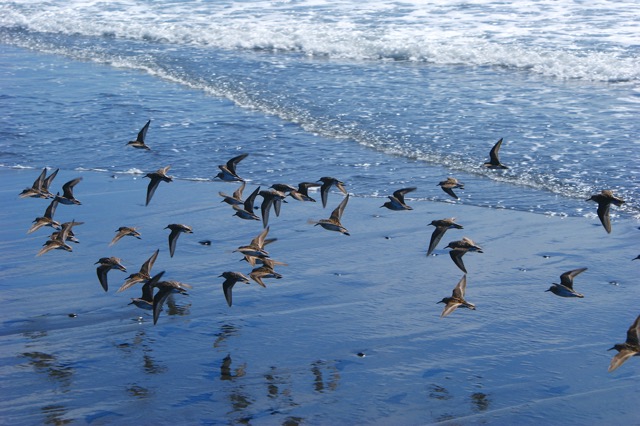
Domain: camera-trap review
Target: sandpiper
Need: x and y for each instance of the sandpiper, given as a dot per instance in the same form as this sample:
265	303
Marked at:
107	264
246	212
456	299
165	288
231	278
396	201
236	198
604	200
47	219
264	271
302	193
60	240
139	142
143	275
441	227
145	301
565	288
176	230
333	223
327	182
156	177
459	248
228	171
631	347
448	185
270	198
67	193
36	188
124	231
255	249
494	161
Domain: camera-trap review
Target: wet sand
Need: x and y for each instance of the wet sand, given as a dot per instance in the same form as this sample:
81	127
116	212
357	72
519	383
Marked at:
292	352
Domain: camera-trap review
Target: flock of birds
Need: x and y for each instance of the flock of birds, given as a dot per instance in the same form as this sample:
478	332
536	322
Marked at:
256	255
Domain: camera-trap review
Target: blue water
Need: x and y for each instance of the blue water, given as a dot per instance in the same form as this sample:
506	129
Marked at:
380	94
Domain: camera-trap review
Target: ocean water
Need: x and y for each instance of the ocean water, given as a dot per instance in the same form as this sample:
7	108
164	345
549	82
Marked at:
380	94
385	92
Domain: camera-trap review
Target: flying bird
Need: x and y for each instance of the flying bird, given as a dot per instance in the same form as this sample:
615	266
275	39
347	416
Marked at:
494	159
631	347
396	201
457	298
67	193
246	212
124	231
302	193
460	248
449	185
441	226
565	288
231	278
143	275
327	183
176	230
333	223
228	171
46	219
236	198
156	177
139	142
604	200
107	264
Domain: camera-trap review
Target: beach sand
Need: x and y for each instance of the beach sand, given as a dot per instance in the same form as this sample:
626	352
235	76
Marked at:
292	352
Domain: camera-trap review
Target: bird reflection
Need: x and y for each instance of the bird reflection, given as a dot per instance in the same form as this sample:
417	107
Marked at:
226	330
480	401
49	364
319	384
55	415
226	372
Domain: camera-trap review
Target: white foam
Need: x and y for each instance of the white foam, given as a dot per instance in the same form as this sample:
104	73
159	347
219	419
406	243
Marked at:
597	41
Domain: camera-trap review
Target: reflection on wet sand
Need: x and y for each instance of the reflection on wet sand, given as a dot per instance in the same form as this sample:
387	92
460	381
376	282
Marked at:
238	398
61	374
319	384
479	402
226	330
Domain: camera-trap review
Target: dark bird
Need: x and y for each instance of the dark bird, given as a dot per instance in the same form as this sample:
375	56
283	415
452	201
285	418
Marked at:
449	184
145	301
255	249
176	230
124	231
302	193
231	278
328	182
139	142
228	171
396	201
270	198
47	219
107	264
236	198
494	161
604	200
459	248
143	275
60	240
456	299
165	289
285	188
442	226
333	223
246	212
262	272
156	177
565	288
67	193
629	348
40	187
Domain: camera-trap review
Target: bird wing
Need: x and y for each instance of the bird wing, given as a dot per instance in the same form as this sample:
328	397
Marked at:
437	235
566	279
620	358
158	301
143	132
231	164
449	307
51	209
173	238
248	203
337	213
151	189
400	193
460	288
148	264
47	182
494	152
633	334
102	276
456	256
603	214
67	188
